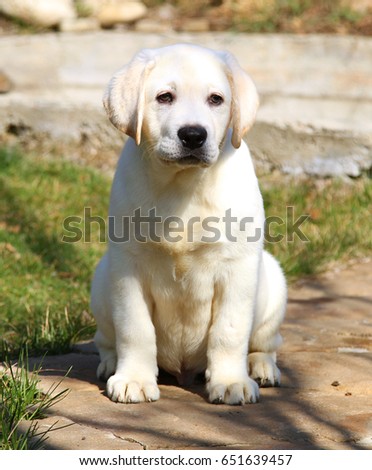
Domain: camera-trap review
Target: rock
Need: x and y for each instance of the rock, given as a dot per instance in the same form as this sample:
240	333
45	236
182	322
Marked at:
38	12
195	25
120	11
166	12
350	165
5	83
79	25
148	25
162	19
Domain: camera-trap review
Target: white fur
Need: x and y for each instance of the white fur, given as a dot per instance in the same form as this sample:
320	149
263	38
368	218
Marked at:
187	306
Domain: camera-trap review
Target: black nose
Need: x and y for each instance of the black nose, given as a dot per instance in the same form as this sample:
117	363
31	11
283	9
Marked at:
192	137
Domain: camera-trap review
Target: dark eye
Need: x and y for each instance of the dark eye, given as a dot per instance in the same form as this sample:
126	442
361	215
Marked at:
215	99
165	98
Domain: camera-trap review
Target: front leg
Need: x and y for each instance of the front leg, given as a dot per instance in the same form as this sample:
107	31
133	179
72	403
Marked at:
227	375
135	378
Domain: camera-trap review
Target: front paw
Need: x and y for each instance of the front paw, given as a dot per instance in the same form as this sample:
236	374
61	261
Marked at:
237	393
124	390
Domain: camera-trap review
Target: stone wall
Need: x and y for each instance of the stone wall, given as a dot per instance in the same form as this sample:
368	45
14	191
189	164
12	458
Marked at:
316	95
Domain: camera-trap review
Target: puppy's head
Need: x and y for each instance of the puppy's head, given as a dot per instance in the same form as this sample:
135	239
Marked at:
180	101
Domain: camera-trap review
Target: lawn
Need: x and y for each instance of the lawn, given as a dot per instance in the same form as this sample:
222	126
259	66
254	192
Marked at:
44	291
44	294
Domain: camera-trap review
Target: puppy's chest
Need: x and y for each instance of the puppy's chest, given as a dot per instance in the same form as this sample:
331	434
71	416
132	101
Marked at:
182	278
185	265
181	274
182	310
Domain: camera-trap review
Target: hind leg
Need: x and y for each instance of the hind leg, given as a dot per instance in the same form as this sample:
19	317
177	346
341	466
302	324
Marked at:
263	369
107	354
265	338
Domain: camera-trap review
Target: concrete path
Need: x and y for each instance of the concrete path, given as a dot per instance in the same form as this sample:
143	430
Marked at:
316	95
325	401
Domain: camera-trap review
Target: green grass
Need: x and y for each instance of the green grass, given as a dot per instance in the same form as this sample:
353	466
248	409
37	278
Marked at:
337	229
44	293
21	400
44	290
301	16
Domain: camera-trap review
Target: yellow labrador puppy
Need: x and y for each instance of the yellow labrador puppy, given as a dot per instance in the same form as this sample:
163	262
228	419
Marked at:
185	284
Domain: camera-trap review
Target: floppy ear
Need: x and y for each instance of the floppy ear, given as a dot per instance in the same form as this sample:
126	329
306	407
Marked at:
245	99
124	98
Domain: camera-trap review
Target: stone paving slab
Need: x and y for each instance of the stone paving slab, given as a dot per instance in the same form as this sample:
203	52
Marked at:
325	401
